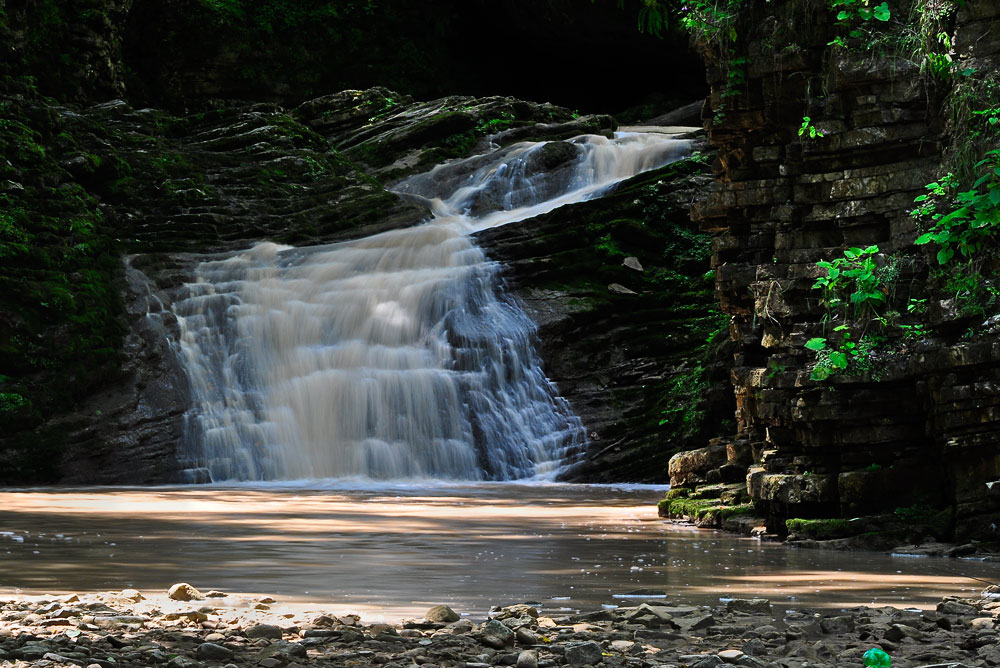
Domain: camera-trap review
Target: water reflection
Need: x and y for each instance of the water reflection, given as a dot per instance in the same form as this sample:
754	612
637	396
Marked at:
398	550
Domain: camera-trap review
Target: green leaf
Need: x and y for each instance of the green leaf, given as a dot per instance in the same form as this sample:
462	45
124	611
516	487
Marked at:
838	360
843	15
821	373
944	255
817	344
882	12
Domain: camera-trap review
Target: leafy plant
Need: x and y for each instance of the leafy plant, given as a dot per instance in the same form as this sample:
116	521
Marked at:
845	355
853	283
711	20
861	9
851	14
808	127
971	224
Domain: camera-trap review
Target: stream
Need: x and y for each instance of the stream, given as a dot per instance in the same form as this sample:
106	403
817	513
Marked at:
391	551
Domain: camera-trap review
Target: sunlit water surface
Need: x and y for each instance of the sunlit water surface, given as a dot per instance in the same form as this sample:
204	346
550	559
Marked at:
392	552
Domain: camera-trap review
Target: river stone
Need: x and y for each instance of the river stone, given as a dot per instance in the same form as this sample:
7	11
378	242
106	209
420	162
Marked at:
702	660
897	632
182	662
583	654
730	655
750	606
442	613
209	651
526	636
264	631
516	610
497	635
182	591
838	624
527	659
956	608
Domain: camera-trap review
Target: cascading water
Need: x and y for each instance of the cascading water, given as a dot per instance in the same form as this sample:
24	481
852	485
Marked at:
398	355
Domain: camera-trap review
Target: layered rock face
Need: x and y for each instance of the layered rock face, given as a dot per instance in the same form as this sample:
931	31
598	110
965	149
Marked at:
90	391
916	425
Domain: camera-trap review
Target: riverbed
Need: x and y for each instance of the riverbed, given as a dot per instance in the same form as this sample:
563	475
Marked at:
392	551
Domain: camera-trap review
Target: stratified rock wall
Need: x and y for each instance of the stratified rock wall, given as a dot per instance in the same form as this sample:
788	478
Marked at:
921	425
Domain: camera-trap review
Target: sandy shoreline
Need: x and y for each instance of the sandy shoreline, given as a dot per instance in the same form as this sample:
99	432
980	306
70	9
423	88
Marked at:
132	628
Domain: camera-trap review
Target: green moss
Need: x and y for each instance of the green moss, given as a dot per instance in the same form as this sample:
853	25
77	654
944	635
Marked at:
58	263
823	529
690	507
725	512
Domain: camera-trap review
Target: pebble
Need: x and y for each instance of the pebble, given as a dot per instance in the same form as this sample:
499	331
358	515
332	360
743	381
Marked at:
155	631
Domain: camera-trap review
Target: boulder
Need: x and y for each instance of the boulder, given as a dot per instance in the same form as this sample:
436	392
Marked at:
691	467
441	613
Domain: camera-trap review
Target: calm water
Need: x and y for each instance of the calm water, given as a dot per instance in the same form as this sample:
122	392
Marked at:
394	551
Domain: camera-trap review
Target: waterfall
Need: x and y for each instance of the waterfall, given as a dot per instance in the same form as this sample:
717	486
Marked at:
398	355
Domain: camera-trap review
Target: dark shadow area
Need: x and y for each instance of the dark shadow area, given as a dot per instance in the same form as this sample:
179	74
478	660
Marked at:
587	56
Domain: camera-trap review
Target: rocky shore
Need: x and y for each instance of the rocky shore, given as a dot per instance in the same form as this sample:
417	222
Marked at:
184	628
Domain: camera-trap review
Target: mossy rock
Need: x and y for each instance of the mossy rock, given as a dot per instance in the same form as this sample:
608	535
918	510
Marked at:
717	491
825	529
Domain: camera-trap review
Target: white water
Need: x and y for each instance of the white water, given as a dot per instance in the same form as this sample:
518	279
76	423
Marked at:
396	356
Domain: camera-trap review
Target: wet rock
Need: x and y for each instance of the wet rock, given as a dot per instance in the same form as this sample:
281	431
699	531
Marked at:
182	591
956	608
208	651
180	661
497	635
516	610
527	659
705	661
749	606
583	654
441	613
264	631
897	632
526	636
839	624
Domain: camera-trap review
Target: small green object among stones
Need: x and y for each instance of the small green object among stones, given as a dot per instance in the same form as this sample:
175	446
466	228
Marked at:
876	658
